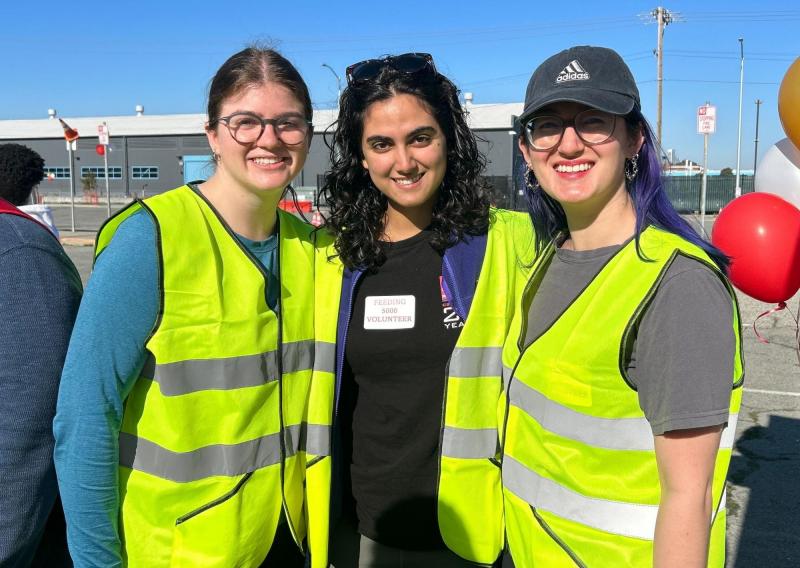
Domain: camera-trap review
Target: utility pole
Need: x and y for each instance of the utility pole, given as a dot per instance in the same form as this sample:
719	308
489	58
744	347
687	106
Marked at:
755	157
663	18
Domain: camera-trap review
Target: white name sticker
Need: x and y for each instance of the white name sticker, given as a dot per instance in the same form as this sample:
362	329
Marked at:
389	312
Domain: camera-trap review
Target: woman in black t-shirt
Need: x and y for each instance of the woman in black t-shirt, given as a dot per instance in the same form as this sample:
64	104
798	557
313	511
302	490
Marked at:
413	231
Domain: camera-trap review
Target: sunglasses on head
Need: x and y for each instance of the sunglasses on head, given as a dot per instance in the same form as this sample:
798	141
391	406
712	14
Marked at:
408	63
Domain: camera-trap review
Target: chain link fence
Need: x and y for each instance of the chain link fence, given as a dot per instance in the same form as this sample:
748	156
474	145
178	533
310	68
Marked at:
683	192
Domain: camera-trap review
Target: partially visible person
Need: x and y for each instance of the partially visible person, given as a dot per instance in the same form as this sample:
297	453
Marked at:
414	295
626	357
43	214
178	434
39	295
23	166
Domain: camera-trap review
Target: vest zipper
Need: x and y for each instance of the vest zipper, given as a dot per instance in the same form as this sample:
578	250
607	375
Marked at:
578	562
218	501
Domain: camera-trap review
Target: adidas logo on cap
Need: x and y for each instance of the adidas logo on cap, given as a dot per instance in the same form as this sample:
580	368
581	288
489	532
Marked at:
572	72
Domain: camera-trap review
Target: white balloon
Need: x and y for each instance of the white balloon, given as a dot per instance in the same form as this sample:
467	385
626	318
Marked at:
779	172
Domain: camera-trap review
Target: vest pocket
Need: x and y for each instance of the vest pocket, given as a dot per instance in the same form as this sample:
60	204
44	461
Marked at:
216	502
551	533
235	529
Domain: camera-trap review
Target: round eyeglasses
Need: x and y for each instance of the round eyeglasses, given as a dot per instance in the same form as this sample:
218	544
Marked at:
592	127
247	127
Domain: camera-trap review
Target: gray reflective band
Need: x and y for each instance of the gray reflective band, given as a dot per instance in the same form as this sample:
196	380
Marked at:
626	519
318	440
311	438
193	375
293	438
469	443
608	433
729	433
469	362
325	357
298	356
218	459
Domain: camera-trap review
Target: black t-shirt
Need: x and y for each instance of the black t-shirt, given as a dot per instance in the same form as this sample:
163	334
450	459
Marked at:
400	337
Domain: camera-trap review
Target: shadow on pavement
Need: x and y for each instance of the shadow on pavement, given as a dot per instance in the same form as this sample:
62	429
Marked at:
769	466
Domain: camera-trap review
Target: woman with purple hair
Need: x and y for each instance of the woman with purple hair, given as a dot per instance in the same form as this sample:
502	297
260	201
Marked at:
624	366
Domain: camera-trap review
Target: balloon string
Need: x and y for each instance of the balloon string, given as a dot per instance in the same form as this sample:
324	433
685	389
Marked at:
779	307
797	331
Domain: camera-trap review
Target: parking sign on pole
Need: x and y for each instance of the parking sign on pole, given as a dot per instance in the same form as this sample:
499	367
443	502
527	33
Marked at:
103	138
706	124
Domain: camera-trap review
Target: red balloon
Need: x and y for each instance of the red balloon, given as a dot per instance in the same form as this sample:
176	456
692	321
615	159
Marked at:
100	149
761	234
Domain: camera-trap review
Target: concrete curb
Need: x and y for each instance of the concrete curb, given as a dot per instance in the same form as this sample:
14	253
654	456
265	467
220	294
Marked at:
77	241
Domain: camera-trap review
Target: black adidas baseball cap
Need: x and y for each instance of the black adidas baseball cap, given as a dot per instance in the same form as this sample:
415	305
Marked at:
593	76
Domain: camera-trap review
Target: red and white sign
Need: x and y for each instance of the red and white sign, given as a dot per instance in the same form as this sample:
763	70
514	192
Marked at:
706	119
102	134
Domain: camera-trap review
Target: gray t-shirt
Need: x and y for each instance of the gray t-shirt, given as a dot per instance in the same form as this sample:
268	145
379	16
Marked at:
682	358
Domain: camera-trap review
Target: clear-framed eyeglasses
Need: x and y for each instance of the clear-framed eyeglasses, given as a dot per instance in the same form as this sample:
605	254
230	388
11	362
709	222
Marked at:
247	127
592	127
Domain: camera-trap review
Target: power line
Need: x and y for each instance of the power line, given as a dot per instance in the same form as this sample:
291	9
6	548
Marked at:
645	81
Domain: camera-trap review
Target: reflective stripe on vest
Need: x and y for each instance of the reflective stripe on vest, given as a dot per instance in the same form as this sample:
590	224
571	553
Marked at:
194	375
626	519
470	362
610	433
325	357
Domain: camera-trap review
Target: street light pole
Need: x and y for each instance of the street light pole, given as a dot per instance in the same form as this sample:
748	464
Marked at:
739	134
338	83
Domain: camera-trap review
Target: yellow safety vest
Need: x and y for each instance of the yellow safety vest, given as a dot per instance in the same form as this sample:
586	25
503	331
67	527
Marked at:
211	442
580	479
470	506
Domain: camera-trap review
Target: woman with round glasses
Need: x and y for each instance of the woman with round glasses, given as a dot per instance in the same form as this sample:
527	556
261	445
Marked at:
621	407
414	297
178	432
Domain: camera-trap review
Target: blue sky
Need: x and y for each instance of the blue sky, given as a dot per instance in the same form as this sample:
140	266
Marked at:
94	58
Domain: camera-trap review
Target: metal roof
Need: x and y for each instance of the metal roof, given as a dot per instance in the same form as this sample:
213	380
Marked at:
481	116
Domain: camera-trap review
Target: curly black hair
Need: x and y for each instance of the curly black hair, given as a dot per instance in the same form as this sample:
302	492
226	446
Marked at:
358	208
21	169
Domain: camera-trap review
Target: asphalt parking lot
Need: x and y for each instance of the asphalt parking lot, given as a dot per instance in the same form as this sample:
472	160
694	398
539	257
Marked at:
764	478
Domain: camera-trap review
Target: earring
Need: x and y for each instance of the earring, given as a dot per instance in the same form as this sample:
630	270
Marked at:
632	167
214	156
531	181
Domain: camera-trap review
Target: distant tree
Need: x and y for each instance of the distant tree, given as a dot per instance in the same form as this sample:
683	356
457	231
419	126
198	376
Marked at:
726	172
89	181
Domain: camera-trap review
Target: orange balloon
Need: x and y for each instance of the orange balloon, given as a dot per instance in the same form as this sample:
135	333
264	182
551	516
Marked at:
789	103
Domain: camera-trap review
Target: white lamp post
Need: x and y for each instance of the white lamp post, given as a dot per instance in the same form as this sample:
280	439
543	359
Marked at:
738	192
338	83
